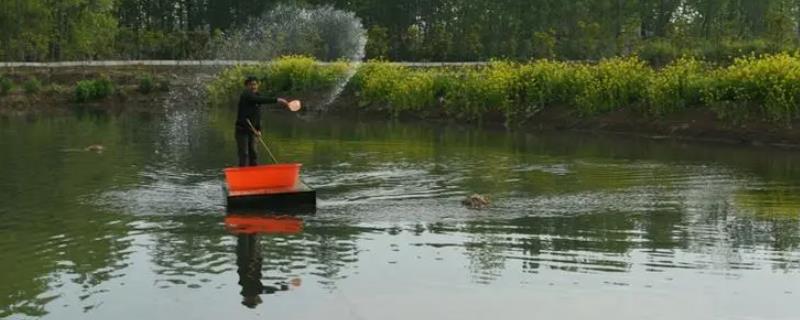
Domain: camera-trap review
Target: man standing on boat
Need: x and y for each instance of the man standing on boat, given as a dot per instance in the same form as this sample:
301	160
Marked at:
248	120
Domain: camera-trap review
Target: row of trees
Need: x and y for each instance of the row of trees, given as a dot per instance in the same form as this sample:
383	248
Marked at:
434	30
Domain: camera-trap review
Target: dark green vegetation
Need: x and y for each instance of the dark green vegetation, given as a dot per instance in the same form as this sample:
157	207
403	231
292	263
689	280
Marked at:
32	86
5	85
764	89
294	75
146	84
435	30
36	90
88	90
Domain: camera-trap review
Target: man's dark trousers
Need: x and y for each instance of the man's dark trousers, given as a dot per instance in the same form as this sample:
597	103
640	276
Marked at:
246	148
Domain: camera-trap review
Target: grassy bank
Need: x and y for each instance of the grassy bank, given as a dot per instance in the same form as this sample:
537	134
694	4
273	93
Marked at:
761	89
40	90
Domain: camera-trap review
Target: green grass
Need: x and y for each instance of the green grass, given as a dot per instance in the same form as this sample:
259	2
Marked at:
32	86
91	90
5	86
146	84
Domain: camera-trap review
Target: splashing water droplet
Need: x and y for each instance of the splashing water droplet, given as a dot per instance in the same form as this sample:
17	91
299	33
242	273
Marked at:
325	33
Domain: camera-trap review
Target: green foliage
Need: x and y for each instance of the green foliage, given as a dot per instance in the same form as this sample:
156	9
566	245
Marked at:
545	44
90	90
727	51
547	83
90	28
677	86
417	91
57	30
293	75
657	30
376	82
466	98
146	84
472	93
84	90
766	87
659	52
5	85
613	84
32	86
158	44
378	42
662	30
298	74
399	88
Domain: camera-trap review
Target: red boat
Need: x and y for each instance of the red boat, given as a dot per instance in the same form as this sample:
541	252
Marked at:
268	188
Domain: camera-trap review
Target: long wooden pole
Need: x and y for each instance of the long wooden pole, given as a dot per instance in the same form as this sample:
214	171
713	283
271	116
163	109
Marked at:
255	132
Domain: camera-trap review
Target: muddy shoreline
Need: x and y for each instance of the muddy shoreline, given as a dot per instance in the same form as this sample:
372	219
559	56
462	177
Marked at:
57	95
700	125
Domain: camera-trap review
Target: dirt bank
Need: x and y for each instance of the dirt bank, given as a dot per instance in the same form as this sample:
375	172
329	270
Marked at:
691	125
56	90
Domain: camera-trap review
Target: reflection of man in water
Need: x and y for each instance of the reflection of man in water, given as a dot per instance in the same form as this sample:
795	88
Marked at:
249	260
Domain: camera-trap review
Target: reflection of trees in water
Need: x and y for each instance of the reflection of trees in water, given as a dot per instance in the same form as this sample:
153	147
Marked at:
48	234
35	261
333	248
664	229
188	248
584	243
778	210
730	223
664	232
603	242
185	249
487	256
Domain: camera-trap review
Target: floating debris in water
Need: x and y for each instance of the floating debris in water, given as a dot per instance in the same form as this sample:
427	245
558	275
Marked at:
95	148
476	202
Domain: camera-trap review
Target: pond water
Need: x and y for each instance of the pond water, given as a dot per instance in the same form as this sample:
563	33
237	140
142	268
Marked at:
581	226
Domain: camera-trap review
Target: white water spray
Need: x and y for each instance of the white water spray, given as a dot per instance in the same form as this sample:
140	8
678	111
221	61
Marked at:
325	33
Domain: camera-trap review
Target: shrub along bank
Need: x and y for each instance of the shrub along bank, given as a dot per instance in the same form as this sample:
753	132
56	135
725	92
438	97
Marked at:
764	88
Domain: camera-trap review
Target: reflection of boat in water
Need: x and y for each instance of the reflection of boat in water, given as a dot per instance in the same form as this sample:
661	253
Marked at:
249	259
259	224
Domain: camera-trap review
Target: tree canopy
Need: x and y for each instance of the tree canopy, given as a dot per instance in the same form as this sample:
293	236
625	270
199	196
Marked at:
416	30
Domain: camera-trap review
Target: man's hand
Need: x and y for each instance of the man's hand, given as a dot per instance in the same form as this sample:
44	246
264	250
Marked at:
258	133
295	105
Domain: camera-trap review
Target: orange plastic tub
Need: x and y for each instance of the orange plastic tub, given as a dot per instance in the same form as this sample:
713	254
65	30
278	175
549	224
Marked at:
262	177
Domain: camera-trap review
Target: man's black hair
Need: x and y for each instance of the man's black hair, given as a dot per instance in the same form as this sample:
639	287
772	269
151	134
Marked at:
250	79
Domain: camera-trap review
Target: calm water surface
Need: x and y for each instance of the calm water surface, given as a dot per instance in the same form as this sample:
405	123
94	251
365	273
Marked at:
581	226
